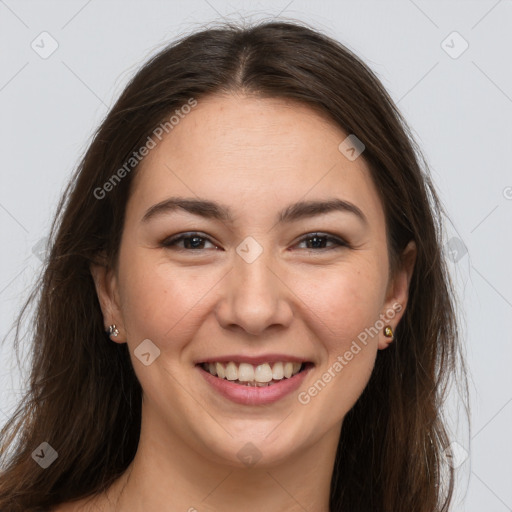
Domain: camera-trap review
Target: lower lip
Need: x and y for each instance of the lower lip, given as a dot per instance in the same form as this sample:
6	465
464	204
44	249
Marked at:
249	395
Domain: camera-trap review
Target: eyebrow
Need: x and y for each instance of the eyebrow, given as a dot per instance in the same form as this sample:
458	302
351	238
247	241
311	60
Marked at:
212	210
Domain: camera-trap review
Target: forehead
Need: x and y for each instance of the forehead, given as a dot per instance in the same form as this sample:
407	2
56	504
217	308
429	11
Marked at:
238	149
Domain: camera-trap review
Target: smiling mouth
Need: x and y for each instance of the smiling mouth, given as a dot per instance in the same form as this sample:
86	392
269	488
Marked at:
261	375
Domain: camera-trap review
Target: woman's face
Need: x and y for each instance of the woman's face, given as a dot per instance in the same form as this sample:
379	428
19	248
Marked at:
262	280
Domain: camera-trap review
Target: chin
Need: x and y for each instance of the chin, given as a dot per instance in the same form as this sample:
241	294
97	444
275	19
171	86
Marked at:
256	447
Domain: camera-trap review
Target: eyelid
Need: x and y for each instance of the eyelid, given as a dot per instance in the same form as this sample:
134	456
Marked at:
170	241
339	241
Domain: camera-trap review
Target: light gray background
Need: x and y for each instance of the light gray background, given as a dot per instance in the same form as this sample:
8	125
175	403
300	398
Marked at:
459	108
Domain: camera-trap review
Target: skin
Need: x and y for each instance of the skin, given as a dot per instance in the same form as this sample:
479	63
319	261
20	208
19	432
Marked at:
256	156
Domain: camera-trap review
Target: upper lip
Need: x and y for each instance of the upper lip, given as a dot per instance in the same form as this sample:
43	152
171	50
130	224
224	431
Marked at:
255	360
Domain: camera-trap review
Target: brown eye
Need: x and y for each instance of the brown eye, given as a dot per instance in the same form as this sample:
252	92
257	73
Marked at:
320	240
191	241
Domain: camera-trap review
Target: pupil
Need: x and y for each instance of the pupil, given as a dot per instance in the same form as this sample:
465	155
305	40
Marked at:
316	240
194	241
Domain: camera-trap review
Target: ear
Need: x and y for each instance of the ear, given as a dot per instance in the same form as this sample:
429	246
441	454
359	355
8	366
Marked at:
106	285
398	291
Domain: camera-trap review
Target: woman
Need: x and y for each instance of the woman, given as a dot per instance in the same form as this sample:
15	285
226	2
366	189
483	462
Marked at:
245	305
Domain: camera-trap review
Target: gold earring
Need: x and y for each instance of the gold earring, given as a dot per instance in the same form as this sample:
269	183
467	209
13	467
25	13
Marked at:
388	332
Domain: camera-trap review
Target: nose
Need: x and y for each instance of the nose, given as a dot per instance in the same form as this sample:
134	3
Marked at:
254	297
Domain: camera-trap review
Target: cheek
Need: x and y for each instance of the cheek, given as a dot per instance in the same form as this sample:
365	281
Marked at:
346	307
344	301
160	302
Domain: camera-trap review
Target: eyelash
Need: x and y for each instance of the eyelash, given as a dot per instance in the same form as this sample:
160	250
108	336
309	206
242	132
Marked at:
171	242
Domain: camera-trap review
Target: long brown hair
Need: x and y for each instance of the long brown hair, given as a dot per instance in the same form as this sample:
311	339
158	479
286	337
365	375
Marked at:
83	396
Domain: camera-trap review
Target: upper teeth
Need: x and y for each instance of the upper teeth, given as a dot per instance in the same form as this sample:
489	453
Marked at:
245	372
